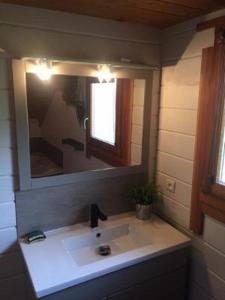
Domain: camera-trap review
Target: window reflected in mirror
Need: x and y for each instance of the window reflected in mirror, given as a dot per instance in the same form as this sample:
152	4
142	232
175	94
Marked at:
103	113
78	124
221	157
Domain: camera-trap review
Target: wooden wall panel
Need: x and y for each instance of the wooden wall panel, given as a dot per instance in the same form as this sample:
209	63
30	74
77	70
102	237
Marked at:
179	96
156	13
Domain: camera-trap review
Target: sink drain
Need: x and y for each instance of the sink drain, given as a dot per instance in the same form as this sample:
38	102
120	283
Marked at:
104	250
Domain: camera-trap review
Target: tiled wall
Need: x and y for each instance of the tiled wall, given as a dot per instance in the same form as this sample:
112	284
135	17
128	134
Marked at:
54	207
12	280
182	50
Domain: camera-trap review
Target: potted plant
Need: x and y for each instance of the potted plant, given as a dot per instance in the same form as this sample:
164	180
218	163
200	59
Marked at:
144	196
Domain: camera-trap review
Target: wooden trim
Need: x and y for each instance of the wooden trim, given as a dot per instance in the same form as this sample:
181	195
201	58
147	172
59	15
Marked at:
213	212
212	201
125	99
196	221
218	190
211	98
217	22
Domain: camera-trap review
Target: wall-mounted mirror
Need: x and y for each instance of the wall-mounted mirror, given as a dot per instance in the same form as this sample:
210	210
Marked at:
75	123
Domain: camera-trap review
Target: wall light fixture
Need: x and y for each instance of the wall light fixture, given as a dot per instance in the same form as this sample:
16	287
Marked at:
43	69
104	73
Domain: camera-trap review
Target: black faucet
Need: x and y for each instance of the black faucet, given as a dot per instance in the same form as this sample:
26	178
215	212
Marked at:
95	215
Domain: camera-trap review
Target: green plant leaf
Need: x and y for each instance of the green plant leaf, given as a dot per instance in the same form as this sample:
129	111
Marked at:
145	194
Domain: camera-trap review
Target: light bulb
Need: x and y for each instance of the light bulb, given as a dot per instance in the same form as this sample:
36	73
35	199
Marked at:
104	73
43	69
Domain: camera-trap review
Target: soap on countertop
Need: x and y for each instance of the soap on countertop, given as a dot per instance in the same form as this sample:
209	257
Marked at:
34	236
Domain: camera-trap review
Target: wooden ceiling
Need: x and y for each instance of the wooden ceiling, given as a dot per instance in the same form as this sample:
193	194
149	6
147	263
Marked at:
159	13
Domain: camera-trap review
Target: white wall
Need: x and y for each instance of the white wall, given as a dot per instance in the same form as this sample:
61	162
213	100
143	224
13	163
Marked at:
137	121
11	265
54	126
34	128
181	55
36	32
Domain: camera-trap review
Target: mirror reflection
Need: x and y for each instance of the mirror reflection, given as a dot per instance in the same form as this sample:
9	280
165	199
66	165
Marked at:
221	157
78	123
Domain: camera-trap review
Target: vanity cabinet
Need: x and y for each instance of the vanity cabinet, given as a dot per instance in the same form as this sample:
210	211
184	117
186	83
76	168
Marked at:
169	286
159	278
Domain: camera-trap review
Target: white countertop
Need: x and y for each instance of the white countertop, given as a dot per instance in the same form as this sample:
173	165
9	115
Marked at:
52	268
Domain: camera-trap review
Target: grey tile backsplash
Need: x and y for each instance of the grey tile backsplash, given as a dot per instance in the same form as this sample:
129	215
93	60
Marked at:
54	207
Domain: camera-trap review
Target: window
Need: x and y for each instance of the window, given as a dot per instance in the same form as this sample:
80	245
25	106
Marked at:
208	195
220	174
103	112
109	121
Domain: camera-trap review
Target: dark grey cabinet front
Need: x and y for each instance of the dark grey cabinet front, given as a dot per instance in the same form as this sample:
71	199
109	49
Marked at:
170	286
161	278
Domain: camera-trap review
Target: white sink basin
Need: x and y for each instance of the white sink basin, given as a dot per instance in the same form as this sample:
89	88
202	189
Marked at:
122	238
68	256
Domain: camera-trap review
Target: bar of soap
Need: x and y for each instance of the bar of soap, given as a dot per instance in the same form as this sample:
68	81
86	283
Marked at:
34	236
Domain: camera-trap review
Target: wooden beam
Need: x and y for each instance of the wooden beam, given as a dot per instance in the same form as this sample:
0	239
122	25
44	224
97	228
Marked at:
217	22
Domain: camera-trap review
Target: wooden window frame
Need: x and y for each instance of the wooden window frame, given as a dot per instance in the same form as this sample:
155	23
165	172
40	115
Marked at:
119	154
208	197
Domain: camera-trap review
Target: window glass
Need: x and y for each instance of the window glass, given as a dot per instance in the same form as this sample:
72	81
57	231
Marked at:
221	157
103	111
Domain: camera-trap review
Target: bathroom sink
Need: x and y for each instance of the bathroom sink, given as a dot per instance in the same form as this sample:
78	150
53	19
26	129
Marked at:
122	238
69	256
